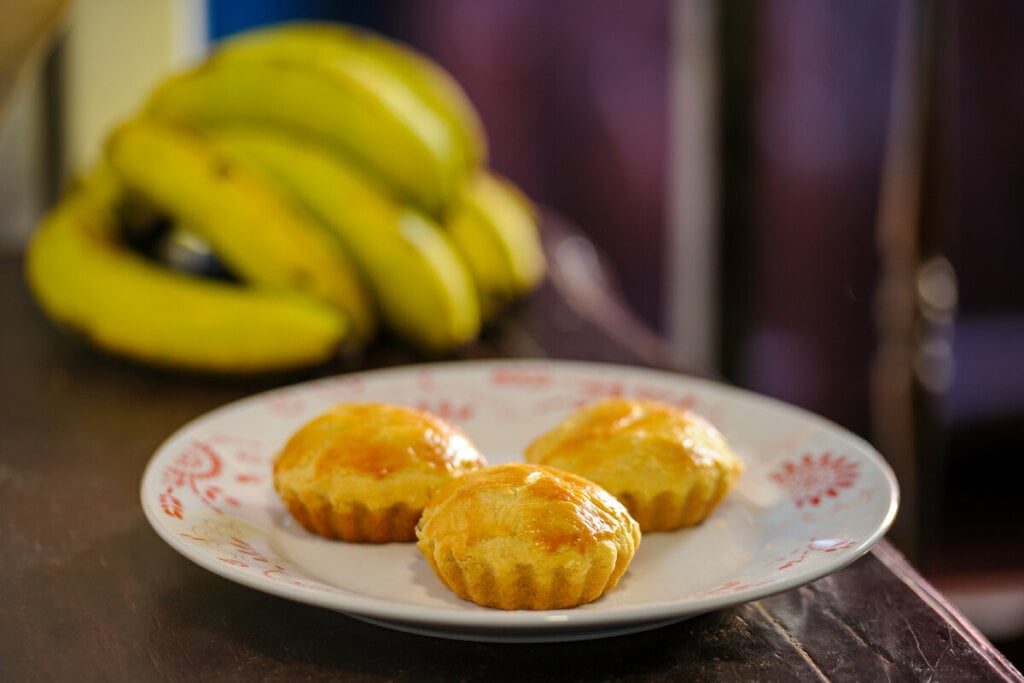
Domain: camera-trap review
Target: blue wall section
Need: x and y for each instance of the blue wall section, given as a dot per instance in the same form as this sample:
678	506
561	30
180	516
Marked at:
225	17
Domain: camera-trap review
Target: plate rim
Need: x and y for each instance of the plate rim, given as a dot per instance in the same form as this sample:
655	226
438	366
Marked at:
521	625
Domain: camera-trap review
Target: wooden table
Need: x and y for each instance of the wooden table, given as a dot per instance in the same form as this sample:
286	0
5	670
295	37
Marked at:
89	592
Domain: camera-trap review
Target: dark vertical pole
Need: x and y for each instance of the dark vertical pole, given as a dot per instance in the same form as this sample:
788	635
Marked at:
916	296
737	95
53	143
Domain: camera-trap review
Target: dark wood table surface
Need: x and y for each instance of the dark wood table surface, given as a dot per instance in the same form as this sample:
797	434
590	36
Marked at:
88	591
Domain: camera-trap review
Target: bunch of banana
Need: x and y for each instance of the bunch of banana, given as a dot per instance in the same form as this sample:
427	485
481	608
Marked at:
396	115
339	178
86	279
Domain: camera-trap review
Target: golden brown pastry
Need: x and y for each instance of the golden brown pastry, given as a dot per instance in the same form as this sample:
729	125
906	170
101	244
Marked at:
364	471
519	536
669	466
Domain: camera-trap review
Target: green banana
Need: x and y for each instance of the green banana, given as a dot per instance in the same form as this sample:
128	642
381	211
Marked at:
424	293
341	96
494	226
84	279
255	232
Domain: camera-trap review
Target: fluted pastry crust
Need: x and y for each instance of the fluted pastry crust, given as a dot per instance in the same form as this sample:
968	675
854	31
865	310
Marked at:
520	536
363	472
669	466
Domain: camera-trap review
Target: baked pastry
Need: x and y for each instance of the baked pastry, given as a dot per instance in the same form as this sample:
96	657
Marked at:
364	471
519	536
669	466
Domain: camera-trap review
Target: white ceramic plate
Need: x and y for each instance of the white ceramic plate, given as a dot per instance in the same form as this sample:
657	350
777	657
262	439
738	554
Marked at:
813	498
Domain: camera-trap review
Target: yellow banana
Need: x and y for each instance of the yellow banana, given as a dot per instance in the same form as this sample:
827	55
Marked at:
381	60
494	226
257	234
341	96
433	83
126	304
423	290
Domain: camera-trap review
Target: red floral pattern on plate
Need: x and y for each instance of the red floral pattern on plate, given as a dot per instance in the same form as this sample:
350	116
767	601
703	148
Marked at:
521	376
199	468
597	388
225	536
825	545
813	479
729	587
285	402
447	409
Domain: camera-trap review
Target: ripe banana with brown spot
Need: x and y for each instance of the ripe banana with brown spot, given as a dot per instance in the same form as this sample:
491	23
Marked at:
85	280
259	236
